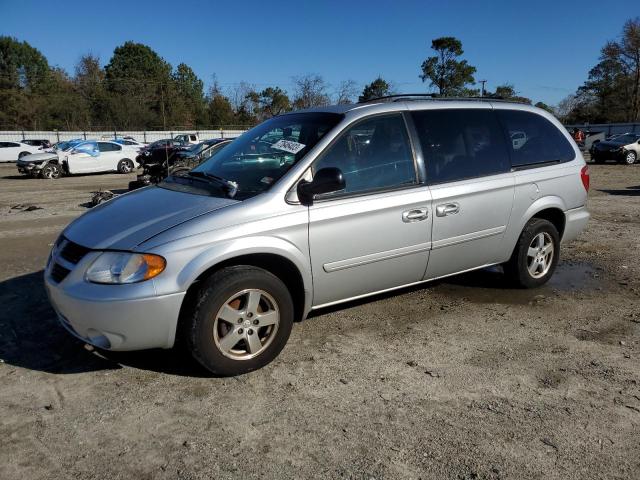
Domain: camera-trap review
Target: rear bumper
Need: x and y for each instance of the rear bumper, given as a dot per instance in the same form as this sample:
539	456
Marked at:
117	324
575	221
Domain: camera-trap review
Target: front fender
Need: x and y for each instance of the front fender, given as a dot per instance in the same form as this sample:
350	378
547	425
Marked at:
212	255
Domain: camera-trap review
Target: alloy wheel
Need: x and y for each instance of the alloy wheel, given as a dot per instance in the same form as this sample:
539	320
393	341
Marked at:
246	324
540	255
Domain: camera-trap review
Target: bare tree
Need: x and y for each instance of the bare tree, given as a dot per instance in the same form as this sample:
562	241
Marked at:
346	92
310	90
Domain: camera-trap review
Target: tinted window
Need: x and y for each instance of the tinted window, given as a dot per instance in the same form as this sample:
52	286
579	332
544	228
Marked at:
533	139
373	154
108	147
459	144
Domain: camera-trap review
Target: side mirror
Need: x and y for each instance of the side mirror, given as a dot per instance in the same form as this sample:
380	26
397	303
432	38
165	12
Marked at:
325	180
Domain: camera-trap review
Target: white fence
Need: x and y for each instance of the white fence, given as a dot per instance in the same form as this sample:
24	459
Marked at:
140	135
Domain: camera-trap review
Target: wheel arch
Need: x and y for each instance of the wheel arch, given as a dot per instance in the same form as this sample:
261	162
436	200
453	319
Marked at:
289	266
549	208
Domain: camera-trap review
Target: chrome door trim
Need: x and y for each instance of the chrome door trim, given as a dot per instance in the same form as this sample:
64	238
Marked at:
468	237
375	257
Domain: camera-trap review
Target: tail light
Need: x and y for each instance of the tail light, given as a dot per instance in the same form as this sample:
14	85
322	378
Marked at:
584	176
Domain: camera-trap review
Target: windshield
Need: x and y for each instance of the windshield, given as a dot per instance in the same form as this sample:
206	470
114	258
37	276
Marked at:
258	158
625	139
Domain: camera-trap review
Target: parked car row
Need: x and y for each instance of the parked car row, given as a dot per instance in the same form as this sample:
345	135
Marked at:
164	158
122	155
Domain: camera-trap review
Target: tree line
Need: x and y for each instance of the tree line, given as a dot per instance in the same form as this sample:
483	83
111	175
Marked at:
138	89
611	92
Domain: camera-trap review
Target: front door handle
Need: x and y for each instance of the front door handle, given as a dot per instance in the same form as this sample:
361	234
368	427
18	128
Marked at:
447	209
415	215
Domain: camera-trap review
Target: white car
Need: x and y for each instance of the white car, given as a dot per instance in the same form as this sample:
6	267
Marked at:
84	157
12	151
94	157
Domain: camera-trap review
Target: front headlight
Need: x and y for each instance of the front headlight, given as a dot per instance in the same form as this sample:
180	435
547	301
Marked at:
124	267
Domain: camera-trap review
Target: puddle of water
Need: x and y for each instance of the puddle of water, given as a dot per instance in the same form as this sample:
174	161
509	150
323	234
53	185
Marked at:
571	276
490	286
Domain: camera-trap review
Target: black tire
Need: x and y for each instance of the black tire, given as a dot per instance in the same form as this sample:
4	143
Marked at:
125	166
517	268
201	324
22	154
51	171
630	158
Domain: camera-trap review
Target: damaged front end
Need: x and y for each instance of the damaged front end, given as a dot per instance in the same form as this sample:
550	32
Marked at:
156	165
40	168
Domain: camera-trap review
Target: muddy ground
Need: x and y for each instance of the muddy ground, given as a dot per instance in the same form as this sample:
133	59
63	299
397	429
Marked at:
464	378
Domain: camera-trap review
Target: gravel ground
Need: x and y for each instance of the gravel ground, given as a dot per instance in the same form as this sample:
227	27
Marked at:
463	378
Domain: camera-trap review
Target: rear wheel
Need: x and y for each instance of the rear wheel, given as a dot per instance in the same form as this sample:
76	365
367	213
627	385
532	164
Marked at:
536	254
125	166
241	322
51	170
630	158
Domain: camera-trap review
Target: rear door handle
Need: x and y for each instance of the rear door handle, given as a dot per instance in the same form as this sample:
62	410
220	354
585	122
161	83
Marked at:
415	215
447	209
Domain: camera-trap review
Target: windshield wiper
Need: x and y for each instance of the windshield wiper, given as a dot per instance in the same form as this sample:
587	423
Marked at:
231	188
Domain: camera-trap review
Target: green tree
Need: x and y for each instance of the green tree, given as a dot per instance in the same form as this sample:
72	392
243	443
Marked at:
508	92
378	88
25	78
190	90
89	83
219	108
546	107
140	85
269	102
445	71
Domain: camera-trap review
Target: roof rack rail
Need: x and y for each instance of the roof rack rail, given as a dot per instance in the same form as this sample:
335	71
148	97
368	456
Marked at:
401	97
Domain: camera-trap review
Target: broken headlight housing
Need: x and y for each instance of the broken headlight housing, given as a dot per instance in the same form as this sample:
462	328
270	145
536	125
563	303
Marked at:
124	267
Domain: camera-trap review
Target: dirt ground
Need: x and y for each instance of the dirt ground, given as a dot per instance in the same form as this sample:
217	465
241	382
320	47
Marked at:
464	378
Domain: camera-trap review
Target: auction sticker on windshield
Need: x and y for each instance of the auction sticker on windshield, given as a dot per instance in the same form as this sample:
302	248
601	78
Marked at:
288	146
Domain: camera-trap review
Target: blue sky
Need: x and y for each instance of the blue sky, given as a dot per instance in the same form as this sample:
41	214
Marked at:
545	48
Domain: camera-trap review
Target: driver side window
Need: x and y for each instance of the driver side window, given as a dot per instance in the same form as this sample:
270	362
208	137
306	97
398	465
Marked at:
374	154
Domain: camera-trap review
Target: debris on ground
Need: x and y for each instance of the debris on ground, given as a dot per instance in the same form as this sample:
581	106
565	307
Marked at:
100	197
25	208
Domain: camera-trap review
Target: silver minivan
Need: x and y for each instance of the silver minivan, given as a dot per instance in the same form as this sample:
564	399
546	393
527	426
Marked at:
314	208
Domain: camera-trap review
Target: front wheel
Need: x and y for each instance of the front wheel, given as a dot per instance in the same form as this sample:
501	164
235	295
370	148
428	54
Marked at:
630	158
241	322
22	154
125	166
536	254
50	171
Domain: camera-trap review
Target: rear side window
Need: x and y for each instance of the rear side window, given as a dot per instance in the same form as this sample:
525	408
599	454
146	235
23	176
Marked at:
108	147
532	139
459	144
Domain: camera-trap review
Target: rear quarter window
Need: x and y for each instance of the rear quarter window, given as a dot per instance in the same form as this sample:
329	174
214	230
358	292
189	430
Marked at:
533	140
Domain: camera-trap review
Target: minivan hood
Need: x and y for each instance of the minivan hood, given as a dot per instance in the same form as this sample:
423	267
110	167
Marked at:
128	220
